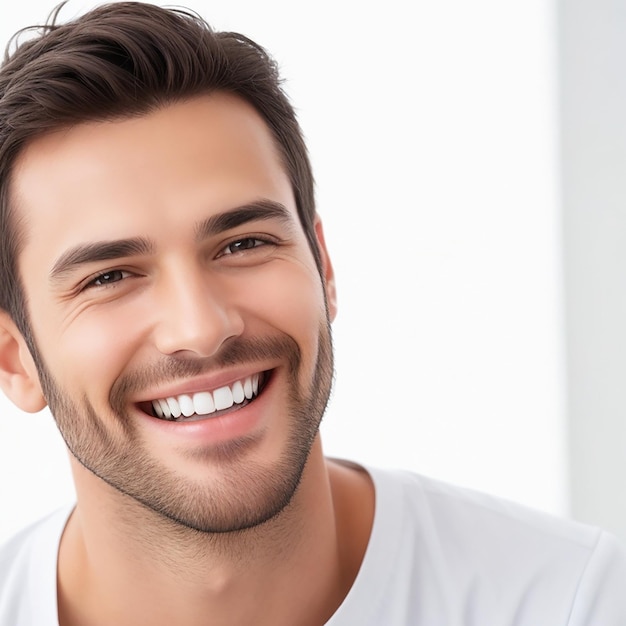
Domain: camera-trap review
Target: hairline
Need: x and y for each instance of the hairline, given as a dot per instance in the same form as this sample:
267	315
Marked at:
16	222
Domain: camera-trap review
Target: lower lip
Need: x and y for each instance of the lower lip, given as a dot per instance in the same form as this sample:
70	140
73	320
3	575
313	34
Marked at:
245	422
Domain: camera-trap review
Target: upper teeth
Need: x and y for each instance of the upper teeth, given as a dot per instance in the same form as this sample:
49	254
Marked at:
206	402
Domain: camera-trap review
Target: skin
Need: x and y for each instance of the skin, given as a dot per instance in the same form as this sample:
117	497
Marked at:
179	314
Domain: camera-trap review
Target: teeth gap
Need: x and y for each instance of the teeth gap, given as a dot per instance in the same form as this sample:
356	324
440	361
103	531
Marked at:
206	403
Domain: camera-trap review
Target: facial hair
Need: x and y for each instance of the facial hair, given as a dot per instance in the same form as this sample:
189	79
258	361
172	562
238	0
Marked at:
247	493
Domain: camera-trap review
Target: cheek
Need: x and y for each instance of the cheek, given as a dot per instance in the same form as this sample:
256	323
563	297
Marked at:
290	302
92	350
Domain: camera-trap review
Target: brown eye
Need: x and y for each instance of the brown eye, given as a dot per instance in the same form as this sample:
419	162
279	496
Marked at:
243	244
107	278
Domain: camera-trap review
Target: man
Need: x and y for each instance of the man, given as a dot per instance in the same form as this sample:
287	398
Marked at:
167	292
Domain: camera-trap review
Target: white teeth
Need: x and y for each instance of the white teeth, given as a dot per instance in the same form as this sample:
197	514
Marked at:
165	407
186	405
205	402
223	398
238	394
247	388
174	407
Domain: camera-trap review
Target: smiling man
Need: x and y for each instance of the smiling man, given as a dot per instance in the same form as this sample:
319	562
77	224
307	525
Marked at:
167	292
180	270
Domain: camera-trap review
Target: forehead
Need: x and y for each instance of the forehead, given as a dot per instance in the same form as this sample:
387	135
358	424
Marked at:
198	156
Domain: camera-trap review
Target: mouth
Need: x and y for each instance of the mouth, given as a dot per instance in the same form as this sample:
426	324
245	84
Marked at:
209	403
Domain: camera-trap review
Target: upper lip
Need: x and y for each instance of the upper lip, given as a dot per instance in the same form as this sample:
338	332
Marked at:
196	384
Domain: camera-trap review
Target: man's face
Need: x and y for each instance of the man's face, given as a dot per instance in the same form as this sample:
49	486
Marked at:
179	317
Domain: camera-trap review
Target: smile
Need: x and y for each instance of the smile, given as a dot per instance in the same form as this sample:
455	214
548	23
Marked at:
214	403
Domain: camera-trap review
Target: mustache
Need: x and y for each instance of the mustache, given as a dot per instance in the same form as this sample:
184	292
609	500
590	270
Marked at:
236	351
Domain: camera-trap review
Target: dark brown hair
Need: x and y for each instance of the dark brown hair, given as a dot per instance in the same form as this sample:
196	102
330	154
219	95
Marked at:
121	60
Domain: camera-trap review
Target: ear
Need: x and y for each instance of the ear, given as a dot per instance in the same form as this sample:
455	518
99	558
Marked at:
18	374
327	270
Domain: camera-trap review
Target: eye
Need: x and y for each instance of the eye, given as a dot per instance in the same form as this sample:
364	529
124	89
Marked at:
107	278
241	245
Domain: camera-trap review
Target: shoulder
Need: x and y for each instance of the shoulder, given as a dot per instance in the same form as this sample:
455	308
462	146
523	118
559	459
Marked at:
494	528
459	510
28	563
456	551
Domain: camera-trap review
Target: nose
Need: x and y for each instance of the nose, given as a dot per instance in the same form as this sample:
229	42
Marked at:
195	315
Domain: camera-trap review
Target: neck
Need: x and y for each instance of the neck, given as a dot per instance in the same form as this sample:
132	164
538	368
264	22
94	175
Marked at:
117	553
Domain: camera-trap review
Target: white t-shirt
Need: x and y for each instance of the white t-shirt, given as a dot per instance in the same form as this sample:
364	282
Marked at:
438	555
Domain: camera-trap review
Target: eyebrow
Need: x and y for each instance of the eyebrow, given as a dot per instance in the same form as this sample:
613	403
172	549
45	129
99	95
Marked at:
98	251
255	211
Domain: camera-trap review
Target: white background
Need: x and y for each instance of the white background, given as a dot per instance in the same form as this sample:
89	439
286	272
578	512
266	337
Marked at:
433	134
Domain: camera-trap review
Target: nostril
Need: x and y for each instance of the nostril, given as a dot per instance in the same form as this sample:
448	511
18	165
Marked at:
200	332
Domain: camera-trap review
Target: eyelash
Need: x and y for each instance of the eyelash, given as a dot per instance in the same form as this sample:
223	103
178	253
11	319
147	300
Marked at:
256	241
98	277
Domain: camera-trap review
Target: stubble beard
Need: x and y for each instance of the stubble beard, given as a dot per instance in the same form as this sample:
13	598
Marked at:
247	494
